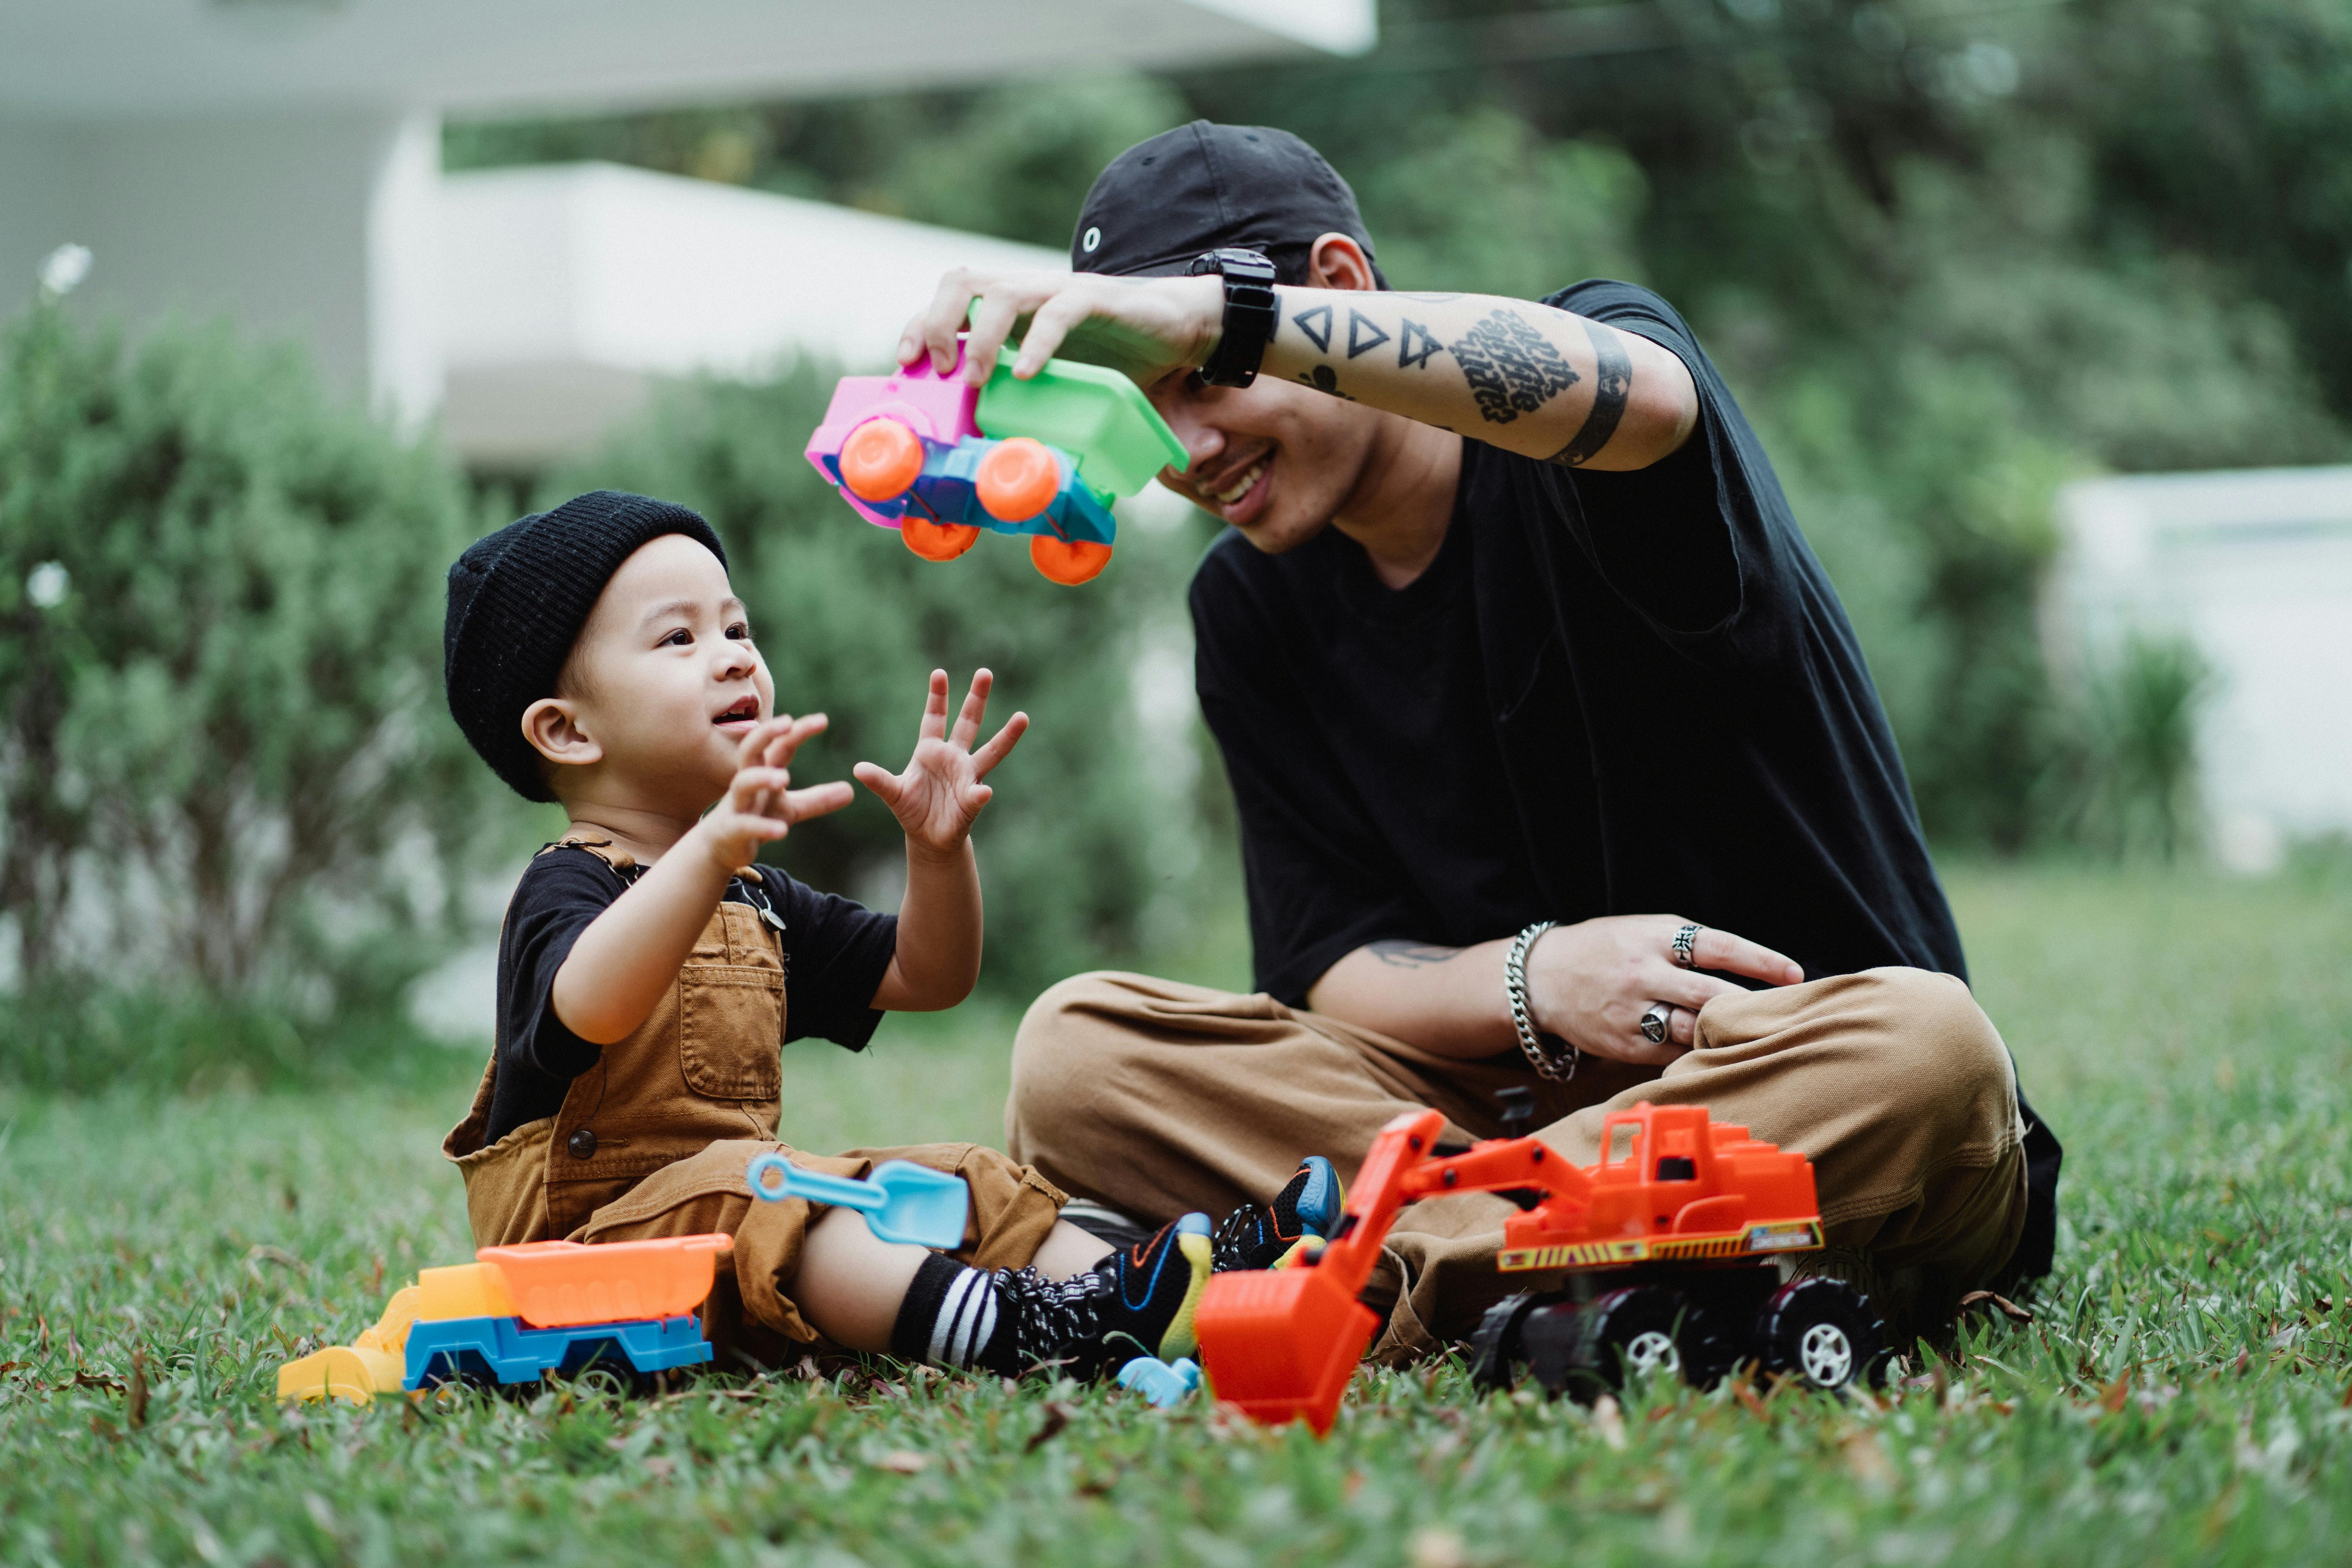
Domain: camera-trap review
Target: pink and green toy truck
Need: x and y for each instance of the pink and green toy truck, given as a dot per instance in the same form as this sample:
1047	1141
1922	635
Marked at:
942	460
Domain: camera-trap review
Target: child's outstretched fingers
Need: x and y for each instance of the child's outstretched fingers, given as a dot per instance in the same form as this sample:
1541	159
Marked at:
1002	741
783	746
975	709
818	800
935	708
881	780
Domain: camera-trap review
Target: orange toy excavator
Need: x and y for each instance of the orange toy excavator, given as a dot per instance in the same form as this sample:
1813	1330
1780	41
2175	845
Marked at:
1669	1245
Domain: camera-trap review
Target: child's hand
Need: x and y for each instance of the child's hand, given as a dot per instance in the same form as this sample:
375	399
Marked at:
940	795
759	804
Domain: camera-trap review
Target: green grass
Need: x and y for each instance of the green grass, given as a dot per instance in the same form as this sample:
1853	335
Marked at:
2181	1397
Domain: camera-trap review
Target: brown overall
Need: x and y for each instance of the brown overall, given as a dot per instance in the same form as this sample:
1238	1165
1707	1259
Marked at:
654	1141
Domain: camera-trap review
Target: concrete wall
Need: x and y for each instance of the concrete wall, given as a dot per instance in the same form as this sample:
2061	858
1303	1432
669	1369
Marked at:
2256	567
571	287
320	226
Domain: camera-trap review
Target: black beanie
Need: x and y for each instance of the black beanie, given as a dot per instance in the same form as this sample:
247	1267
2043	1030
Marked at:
518	599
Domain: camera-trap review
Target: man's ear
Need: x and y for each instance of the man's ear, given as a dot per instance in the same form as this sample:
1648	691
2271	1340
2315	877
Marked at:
1338	262
552	725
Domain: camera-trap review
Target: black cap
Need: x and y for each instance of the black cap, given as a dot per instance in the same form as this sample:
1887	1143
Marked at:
1163	202
518	599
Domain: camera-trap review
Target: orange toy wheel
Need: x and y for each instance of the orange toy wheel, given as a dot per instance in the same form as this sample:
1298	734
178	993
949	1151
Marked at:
1017	480
881	458
937	540
1070	561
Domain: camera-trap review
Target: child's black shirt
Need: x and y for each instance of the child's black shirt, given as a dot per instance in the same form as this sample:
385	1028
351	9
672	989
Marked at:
834	953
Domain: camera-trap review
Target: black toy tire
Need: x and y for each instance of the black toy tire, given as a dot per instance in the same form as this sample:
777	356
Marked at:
1588	1350
1821	1334
1496	1350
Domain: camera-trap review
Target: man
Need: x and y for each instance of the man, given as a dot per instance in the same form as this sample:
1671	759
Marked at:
1557	762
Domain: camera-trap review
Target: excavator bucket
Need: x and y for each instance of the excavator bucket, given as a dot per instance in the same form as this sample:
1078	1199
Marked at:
1280	1345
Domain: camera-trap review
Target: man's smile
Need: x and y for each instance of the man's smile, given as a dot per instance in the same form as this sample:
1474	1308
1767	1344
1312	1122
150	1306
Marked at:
1239	493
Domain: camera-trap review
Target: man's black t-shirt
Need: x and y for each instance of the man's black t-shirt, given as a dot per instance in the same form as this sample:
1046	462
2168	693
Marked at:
1611	693
834	953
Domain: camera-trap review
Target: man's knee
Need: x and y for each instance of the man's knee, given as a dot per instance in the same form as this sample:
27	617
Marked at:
1945	1057
1051	1050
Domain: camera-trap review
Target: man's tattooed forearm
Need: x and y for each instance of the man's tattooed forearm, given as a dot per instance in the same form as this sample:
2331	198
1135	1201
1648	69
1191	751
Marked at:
1414	346
1323	378
1316	325
1405	954
1613	378
1512	368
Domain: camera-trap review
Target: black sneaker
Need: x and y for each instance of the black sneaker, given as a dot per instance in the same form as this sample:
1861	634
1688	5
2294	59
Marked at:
1260	1236
1137	1302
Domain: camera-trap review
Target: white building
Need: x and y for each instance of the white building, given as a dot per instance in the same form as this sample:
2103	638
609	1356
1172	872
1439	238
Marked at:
2255	566
280	159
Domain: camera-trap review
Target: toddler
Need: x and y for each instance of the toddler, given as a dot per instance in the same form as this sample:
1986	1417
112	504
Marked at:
650	973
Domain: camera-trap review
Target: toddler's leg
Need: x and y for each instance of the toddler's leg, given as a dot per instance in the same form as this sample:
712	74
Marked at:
873	1295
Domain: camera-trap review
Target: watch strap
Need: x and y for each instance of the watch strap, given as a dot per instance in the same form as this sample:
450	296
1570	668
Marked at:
1249	318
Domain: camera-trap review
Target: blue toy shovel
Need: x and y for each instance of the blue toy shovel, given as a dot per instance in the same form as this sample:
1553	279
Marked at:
901	1201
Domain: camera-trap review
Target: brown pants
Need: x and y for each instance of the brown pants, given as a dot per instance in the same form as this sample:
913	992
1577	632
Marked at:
750	1316
1157	1097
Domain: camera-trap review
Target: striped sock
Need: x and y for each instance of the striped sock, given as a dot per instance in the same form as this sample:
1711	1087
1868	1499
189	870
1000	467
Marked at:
951	1317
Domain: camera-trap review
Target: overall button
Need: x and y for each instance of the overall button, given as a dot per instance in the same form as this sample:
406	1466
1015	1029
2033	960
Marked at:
582	1144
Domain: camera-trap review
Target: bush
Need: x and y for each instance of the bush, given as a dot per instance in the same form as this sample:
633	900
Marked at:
226	754
1090	840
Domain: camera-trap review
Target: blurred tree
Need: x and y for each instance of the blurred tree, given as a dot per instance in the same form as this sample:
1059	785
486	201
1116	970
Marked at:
1948	257
221	726
1078	837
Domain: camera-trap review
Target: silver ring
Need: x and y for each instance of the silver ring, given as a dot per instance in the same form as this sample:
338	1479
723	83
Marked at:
1684	939
1656	1021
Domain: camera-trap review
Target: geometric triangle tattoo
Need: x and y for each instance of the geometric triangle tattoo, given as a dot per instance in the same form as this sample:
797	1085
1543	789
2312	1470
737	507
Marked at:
1416	346
1318	331
1362	335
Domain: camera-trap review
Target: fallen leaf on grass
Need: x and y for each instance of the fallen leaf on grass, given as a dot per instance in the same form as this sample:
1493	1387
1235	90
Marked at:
903	1462
2007	1308
135	1405
1610	1422
97	1380
2117	1392
1436	1549
1866	1458
1057	1416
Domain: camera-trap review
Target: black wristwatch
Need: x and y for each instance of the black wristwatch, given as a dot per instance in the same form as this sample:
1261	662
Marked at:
1249	314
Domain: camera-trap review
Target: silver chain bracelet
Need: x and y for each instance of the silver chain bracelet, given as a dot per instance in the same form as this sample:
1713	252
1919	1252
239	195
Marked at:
1560	1070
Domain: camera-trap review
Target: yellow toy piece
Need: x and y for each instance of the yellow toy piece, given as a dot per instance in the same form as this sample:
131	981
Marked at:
463	1290
371	1364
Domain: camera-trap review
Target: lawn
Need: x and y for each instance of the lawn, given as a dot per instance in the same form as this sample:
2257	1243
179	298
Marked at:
2181	1395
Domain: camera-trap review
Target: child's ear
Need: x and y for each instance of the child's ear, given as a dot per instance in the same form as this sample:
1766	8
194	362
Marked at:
552	725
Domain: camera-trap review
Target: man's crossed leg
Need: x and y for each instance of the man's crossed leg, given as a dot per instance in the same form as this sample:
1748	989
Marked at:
1157	1097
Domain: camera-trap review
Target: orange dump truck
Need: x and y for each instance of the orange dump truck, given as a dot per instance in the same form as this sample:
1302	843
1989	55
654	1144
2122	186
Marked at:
1669	1247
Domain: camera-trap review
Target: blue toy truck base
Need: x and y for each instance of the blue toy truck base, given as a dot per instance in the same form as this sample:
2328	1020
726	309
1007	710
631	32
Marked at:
504	1350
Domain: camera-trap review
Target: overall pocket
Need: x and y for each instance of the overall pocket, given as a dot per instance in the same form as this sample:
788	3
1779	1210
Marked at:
730	1035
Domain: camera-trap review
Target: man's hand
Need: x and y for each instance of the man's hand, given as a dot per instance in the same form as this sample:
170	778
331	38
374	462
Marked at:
940	795
1588	983
761	805
1143	327
1591	983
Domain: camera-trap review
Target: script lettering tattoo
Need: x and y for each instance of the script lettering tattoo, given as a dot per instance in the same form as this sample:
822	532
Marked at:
1404	954
1323	378
1316	325
1363	334
1512	368
1416	345
1613	378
